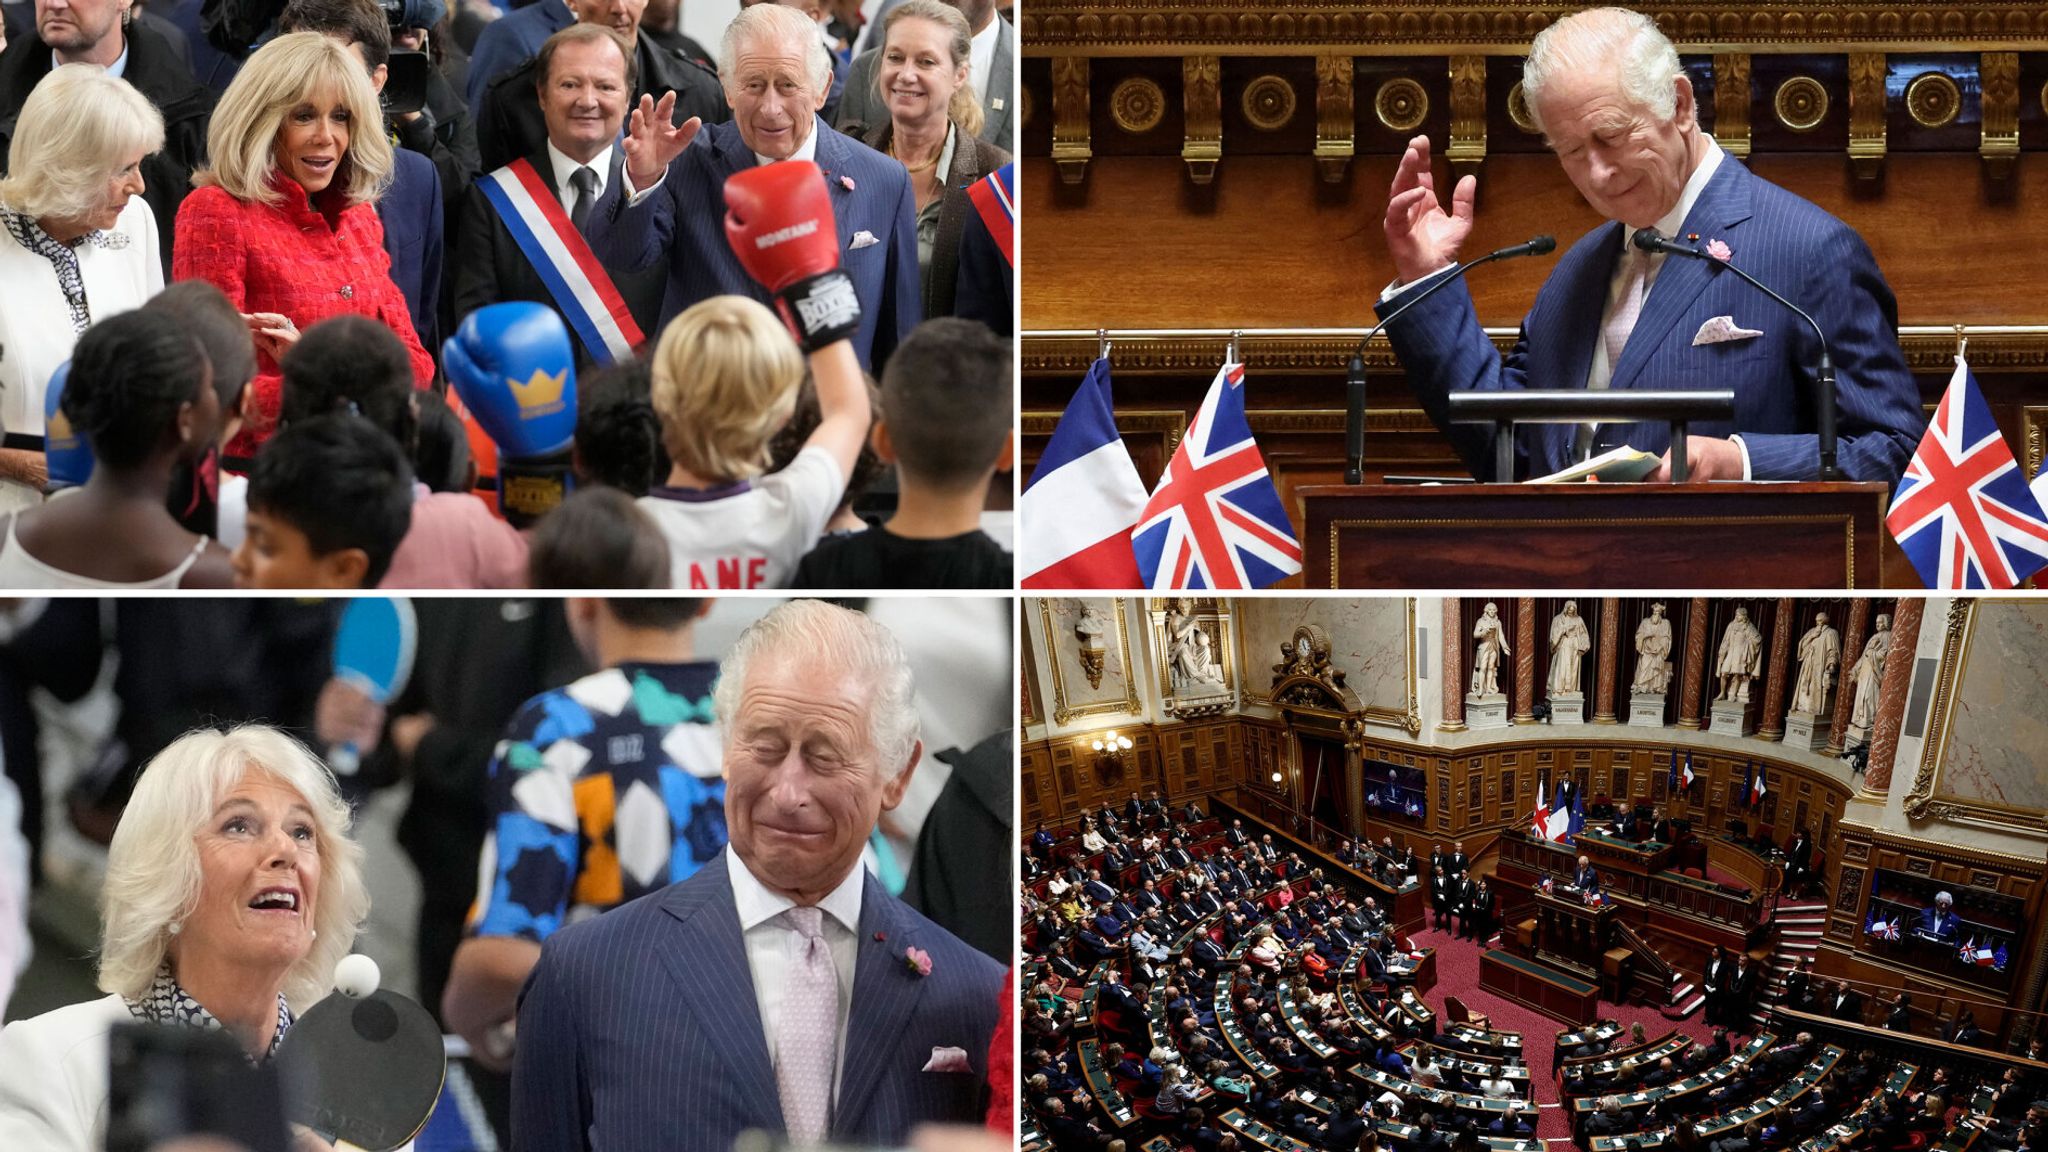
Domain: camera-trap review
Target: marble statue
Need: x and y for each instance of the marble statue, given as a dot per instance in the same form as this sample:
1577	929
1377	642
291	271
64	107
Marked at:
1741	658
1568	645
1493	644
1867	674
1190	653
1653	653
1819	650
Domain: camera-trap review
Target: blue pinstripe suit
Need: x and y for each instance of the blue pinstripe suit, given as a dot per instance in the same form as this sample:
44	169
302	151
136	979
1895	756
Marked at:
684	221
639	1029
1815	260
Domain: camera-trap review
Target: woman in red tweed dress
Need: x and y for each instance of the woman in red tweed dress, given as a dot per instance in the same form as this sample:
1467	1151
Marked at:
285	220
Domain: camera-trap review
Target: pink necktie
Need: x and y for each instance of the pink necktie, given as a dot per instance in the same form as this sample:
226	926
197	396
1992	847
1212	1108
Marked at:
808	1036
1628	304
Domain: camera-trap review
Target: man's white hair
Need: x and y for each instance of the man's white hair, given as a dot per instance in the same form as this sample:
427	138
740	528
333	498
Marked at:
154	874
775	23
812	630
1629	43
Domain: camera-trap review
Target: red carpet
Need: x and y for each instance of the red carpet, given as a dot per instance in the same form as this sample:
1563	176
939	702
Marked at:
1457	974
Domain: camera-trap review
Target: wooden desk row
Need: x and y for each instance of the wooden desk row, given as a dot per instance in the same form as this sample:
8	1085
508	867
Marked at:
1600	1032
1467	1103
1096	1075
1533	985
1720	1124
1672	1044
1487	1040
1696	1083
1859	1119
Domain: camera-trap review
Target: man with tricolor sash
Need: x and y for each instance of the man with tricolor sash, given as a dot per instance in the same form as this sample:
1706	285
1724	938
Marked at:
988	253
522	231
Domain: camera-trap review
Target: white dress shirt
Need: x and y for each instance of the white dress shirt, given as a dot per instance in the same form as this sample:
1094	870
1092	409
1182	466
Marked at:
564	167
773	945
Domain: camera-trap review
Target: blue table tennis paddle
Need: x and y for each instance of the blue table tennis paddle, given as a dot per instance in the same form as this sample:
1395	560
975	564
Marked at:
373	650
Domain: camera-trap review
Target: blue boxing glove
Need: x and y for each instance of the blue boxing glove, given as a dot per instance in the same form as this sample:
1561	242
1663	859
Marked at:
515	369
66	455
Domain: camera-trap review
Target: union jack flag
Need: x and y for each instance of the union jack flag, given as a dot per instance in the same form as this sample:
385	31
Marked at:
1884	929
1215	520
1963	514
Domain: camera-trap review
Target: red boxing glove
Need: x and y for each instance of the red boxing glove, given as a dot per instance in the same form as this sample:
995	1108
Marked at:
778	219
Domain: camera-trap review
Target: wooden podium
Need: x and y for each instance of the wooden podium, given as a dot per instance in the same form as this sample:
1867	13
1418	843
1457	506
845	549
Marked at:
1484	536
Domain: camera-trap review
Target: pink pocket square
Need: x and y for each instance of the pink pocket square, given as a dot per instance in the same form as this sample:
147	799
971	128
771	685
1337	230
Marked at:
948	1060
1721	330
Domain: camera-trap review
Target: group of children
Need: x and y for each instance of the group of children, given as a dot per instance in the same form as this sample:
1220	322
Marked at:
722	460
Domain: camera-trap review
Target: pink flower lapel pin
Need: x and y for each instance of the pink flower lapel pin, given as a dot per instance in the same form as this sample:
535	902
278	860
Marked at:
1718	249
847	183
918	961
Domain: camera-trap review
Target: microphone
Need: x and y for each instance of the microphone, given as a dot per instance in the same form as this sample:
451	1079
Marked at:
1649	240
1354	372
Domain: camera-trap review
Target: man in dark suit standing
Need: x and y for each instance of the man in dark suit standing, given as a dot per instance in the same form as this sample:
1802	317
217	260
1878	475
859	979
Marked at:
1456	864
1714	982
776	74
1443	897
1586	879
1612	316
1741	994
718	1004
1846	1004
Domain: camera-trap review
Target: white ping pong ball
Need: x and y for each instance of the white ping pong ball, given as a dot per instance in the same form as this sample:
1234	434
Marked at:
356	976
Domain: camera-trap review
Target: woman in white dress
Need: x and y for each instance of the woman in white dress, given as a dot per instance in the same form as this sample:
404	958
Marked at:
77	242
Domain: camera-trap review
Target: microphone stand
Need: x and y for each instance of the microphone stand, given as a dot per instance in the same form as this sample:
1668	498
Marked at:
1649	240
1354	372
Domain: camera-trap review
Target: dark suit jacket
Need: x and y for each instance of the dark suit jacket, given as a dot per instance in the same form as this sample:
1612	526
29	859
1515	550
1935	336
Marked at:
862	103
156	71
973	159
1815	260
638	1029
509	123
413	221
682	222
492	269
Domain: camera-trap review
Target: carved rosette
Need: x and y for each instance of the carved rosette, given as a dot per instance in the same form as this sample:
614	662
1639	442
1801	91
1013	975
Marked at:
1402	104
1867	125
1853	634
1202	103
1731	102
1695	666
1137	105
1777	672
1468	114
1070	143
1801	103
1891	695
1268	103
1525	661
1336	117
1610	660
1933	100
1518	111
1454	666
1999	76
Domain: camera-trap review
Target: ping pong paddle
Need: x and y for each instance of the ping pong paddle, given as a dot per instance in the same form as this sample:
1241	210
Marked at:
373	649
363	1071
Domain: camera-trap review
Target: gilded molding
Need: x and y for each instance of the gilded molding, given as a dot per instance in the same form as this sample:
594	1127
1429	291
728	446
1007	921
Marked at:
1930	349
1867	125
1801	103
1384	27
1336	117
1268	103
1401	104
1409	721
1171	423
1468	114
1070	146
1921	803
1202	103
1999	77
1933	100
1137	104
1731	103
1061	713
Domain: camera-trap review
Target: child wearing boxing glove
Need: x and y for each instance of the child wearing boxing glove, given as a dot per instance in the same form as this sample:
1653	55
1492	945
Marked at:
725	380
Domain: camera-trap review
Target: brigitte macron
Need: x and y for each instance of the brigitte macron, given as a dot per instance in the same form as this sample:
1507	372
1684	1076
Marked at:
77	242
285	221
232	890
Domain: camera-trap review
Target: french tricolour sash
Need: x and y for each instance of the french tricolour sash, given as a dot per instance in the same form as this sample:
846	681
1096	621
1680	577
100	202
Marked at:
582	289
991	197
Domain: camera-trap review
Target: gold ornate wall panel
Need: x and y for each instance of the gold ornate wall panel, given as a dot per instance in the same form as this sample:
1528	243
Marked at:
1981	761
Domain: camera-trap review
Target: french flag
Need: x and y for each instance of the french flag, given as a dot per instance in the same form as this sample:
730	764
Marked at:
1757	788
1083	499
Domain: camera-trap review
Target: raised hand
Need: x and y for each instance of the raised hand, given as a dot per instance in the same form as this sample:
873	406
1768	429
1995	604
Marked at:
1421	236
652	140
